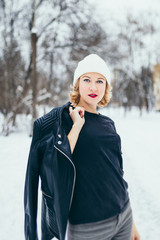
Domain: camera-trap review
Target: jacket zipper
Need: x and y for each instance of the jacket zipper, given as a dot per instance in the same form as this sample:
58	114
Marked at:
46	194
74	174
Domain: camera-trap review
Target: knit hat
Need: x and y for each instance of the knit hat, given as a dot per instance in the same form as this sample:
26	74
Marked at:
92	63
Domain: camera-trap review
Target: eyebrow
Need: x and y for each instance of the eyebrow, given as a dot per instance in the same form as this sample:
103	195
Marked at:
89	77
86	76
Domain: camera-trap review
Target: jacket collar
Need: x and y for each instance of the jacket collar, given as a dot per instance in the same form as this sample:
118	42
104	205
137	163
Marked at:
61	140
61	111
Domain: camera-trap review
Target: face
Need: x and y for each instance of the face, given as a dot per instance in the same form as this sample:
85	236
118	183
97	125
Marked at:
92	83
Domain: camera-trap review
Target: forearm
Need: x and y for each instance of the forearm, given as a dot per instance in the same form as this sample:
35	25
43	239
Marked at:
135	233
73	135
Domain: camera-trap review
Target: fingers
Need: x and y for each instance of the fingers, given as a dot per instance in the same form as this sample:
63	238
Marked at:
80	110
70	110
71	107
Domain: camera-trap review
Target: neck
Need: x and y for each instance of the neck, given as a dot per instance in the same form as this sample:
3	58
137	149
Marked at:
88	108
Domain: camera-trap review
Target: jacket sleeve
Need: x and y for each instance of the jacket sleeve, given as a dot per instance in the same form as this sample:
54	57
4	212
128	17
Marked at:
31	187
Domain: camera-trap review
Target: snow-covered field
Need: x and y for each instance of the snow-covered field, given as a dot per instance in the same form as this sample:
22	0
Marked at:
140	147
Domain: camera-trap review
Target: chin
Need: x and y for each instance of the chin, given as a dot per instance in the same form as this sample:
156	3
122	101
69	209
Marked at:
92	102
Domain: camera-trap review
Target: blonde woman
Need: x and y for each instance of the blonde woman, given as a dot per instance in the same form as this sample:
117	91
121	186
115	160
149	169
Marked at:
76	152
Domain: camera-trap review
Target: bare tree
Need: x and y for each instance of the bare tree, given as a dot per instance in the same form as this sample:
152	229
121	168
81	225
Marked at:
45	47
132	42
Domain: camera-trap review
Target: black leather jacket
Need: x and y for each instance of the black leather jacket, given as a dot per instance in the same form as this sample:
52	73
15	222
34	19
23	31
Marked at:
50	159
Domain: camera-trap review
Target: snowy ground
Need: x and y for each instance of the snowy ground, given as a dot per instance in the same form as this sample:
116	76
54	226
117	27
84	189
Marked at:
140	147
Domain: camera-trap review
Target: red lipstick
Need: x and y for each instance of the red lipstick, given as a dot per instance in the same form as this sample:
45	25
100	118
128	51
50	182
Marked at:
92	95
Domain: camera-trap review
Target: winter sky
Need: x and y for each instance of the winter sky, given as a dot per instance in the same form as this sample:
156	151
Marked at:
113	13
117	9
118	6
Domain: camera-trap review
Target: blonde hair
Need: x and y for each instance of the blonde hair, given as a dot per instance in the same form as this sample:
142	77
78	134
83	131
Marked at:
75	95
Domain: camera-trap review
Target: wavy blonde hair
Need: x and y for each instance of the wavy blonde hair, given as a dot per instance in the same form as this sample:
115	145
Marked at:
75	95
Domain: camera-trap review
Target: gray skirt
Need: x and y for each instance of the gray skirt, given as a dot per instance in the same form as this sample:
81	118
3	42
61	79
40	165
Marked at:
116	228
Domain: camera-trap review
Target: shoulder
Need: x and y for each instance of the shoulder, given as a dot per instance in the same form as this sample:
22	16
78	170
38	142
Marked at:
48	123
109	121
107	118
49	117
45	124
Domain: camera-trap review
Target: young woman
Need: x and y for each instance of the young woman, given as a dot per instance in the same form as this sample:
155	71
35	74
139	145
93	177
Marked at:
76	151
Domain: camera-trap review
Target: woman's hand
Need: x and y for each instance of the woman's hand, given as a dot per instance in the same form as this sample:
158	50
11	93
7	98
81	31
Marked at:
135	233
77	114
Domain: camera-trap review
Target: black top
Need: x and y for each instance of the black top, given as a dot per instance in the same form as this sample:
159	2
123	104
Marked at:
100	190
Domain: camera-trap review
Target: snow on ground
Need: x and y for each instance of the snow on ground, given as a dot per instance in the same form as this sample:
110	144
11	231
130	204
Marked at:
140	148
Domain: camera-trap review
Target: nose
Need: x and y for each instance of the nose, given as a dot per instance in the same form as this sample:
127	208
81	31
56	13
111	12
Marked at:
93	87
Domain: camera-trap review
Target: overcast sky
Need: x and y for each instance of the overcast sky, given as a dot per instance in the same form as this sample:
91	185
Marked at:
118	8
110	12
123	4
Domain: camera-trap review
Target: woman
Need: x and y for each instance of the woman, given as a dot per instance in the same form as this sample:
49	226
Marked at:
76	151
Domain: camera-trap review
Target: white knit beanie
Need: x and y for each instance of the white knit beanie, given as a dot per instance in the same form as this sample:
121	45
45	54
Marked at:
92	63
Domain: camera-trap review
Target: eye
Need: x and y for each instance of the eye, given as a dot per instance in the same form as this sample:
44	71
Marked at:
86	79
100	81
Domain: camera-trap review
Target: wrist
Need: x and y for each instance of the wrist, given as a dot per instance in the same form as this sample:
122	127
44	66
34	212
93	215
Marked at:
77	125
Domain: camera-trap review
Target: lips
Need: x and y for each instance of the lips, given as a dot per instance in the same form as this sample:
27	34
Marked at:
92	95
